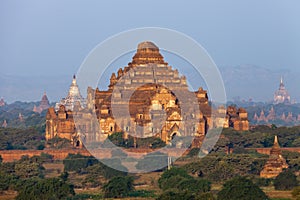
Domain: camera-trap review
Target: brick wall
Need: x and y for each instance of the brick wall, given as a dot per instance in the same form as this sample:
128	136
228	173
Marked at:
60	154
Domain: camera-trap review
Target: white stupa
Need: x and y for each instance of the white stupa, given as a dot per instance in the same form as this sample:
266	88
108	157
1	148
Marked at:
73	97
281	95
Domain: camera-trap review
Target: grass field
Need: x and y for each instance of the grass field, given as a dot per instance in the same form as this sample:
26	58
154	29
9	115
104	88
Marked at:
8	195
53	169
276	194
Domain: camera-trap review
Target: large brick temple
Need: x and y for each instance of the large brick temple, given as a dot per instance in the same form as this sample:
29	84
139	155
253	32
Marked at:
148	84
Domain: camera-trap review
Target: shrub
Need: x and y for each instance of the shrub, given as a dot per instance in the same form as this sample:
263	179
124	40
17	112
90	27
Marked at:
241	188
77	162
286	180
174	173
262	182
52	188
175	195
118	187
177	182
194	186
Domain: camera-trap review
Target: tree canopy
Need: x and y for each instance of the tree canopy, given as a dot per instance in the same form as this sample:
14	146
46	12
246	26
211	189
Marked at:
52	188
118	187
176	183
286	180
77	162
241	188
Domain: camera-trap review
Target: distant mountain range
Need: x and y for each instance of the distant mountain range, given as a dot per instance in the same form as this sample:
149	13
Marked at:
241	82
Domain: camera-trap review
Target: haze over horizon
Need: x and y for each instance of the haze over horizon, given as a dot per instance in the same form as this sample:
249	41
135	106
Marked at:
252	42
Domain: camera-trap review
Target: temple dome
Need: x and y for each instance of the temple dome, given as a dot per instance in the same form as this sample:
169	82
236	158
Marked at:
147	52
147	45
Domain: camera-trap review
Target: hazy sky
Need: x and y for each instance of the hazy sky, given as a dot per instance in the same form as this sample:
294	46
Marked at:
51	38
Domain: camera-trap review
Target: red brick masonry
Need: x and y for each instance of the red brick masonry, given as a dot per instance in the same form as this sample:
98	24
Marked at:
60	154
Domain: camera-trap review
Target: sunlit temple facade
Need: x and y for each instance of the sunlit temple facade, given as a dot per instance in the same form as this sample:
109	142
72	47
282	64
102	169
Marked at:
150	90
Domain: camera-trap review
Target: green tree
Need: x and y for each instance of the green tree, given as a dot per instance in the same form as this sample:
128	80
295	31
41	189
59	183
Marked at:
174	173
218	167
150	142
77	162
286	180
241	188
26	168
195	186
118	187
20	138
175	195
53	188
7	167
101	170
64	176
262	182
97	172
178	182
205	196
223	171
118	140
6	180
43	158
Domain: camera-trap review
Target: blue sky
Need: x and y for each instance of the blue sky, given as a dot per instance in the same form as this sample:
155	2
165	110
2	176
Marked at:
51	38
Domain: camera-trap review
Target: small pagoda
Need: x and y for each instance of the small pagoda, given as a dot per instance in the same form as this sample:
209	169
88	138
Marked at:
275	164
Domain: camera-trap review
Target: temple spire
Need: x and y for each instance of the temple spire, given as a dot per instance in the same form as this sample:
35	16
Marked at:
281	86
275	164
276	144
73	96
74	80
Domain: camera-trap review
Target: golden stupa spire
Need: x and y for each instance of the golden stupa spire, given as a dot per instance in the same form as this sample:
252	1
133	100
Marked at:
276	144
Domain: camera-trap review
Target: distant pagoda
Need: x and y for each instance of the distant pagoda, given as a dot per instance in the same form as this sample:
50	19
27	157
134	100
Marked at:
2	102
275	164
44	104
4	125
282	95
73	97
